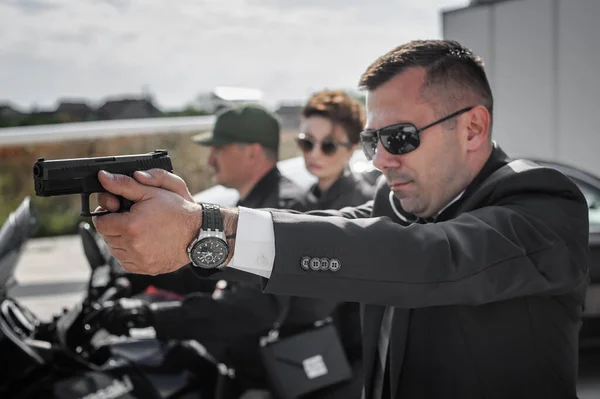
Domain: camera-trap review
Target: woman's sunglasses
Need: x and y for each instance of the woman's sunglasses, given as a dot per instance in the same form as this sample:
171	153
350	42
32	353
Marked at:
328	147
400	138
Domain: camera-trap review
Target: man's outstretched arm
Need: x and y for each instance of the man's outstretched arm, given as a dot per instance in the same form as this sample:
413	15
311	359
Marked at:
530	240
146	241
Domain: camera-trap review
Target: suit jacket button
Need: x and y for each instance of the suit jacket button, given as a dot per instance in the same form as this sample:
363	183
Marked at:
334	265
324	263
305	262
315	264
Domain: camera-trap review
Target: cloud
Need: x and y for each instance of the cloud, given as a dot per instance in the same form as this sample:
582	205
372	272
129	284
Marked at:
285	48
85	35
32	6
120	5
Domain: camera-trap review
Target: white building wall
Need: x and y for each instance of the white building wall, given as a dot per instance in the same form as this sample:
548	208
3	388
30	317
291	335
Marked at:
579	82
541	57
470	26
524	86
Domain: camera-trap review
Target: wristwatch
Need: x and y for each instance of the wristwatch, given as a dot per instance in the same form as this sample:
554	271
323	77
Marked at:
209	250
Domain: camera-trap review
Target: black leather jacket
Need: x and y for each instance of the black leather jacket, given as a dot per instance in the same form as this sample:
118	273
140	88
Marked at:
348	190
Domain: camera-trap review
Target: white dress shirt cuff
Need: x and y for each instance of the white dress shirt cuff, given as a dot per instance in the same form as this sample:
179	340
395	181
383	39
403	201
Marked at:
254	243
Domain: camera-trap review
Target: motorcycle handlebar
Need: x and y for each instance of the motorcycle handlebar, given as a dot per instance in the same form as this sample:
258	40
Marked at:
121	288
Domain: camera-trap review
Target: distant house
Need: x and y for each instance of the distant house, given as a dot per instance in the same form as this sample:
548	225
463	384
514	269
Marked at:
127	109
478	2
225	97
68	111
7	112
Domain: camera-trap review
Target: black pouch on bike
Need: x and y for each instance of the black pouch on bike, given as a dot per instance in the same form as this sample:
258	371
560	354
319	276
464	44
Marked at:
306	361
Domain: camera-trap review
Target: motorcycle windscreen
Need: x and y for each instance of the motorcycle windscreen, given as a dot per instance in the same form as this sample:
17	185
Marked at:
13	234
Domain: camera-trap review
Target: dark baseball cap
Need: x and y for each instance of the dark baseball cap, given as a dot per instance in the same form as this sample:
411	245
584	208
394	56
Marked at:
243	124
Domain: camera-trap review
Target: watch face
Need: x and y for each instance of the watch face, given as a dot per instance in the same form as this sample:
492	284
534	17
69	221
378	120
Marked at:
209	252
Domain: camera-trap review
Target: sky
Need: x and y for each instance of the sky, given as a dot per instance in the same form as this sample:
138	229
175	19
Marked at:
176	49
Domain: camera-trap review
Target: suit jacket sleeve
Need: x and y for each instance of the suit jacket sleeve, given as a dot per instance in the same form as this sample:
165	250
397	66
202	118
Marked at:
230	274
528	236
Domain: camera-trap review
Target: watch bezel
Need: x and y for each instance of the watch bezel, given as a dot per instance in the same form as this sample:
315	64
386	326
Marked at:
197	242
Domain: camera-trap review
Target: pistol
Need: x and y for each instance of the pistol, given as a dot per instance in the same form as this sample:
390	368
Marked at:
80	175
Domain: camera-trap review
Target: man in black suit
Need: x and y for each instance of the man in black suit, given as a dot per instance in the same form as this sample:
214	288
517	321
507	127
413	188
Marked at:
472	268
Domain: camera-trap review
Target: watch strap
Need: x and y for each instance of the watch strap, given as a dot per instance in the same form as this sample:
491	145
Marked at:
211	217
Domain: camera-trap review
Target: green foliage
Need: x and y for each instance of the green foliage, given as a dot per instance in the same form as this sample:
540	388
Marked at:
31	120
53	222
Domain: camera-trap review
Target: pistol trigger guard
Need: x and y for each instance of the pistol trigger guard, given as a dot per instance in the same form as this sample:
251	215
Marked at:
124	206
85	207
99	213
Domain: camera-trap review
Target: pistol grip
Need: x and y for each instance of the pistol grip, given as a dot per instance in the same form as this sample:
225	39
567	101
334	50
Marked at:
124	204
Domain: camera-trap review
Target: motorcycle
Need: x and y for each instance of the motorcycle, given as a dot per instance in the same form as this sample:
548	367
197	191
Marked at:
72	358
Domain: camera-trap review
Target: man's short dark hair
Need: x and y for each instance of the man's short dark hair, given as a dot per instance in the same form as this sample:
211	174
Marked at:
340	108
455	77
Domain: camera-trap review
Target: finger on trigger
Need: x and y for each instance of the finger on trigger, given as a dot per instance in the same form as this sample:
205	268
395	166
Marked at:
107	202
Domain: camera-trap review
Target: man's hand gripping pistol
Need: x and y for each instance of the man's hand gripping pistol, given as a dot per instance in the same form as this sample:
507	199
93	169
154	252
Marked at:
80	175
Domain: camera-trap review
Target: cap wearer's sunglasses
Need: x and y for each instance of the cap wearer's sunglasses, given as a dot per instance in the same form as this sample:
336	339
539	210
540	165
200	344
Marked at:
399	138
328	146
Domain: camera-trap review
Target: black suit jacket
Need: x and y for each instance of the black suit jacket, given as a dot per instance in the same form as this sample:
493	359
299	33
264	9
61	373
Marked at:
487	298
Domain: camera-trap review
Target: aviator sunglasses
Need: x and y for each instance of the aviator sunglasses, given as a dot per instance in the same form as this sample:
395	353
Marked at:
328	146
399	138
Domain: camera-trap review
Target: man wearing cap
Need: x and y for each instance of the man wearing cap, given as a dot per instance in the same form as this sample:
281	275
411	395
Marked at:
244	155
244	152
